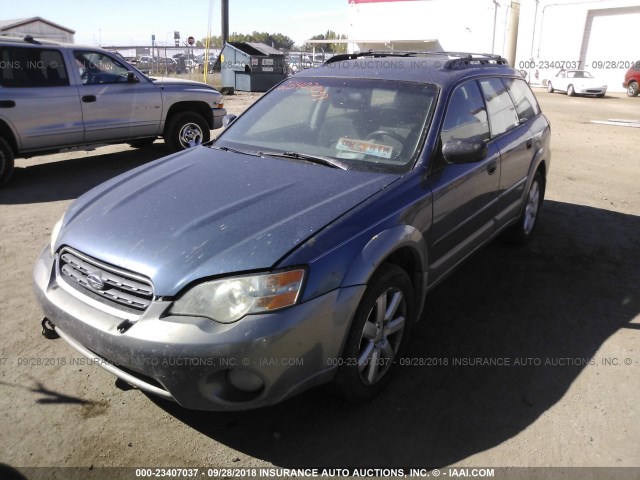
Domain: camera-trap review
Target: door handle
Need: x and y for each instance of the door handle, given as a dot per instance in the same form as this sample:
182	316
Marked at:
529	143
89	98
7	104
492	167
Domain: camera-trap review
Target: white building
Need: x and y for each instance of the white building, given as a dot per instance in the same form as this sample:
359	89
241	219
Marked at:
451	25
597	35
538	36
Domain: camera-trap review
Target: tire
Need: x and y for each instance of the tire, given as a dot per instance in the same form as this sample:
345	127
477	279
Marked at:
377	335
550	87
523	230
632	89
186	130
6	162
571	91
142	143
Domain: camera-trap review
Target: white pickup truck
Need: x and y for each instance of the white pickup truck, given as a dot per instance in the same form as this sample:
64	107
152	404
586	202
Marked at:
56	96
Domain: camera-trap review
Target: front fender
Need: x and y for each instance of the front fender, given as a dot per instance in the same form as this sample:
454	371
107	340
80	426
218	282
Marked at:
403	244
355	261
381	247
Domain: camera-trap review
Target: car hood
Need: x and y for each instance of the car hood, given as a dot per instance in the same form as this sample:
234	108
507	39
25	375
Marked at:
179	81
180	85
206	212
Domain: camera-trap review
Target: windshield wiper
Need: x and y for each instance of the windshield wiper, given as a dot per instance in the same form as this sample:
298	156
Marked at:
326	161
233	150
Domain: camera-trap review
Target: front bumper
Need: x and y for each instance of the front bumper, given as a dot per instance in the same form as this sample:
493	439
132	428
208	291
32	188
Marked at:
218	115
591	90
189	359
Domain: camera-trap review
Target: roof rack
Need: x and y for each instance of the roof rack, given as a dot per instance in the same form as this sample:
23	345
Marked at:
370	53
30	39
455	61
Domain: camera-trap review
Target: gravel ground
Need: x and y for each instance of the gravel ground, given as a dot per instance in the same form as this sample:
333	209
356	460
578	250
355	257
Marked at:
563	312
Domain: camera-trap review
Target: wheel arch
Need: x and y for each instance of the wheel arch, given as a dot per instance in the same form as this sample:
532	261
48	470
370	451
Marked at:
540	164
403	246
7	133
201	108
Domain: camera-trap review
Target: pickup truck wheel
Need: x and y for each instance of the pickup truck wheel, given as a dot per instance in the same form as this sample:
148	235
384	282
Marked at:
6	162
378	333
632	89
522	231
186	130
143	143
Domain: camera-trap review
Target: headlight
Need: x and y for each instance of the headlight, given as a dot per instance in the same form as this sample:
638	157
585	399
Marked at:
54	234
230	299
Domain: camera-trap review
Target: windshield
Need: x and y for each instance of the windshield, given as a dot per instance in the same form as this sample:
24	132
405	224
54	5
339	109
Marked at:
579	74
368	124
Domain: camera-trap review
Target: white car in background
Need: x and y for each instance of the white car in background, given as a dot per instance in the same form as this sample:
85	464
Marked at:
577	82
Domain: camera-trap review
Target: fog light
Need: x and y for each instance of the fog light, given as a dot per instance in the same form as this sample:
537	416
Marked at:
245	380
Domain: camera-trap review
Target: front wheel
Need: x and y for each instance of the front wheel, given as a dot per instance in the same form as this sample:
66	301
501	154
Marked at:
550	87
632	89
378	332
6	162
522	231
186	130
571	91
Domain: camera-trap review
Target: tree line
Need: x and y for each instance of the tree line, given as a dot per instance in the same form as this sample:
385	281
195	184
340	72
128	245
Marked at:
280	41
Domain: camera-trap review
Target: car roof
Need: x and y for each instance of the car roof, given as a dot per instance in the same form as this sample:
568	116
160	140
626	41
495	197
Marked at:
439	68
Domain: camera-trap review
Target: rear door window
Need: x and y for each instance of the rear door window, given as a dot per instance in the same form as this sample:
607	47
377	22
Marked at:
523	98
502	112
32	67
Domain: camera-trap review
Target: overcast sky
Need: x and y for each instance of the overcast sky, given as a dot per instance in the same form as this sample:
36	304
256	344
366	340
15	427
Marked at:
121	22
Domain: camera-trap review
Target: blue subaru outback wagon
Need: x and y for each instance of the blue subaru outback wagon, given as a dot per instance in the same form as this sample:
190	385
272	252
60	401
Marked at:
297	248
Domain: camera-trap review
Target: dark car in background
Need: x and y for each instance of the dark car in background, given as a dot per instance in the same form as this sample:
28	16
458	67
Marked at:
166	65
184	62
297	248
146	64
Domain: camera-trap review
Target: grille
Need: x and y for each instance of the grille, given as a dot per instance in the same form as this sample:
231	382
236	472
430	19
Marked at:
125	290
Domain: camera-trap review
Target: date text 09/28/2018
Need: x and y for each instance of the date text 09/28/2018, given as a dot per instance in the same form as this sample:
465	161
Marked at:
579	65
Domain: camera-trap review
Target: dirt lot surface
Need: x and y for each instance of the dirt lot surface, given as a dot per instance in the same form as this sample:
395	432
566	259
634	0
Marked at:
564	313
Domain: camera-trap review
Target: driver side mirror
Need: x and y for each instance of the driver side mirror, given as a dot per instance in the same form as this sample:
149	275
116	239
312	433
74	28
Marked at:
464	151
131	78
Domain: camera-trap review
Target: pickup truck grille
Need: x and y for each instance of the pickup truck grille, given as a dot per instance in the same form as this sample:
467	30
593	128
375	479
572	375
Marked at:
111	285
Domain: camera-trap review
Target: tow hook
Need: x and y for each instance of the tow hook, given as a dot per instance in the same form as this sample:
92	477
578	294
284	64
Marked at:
49	329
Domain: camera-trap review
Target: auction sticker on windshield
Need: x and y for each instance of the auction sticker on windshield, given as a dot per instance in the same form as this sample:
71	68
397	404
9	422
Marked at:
366	148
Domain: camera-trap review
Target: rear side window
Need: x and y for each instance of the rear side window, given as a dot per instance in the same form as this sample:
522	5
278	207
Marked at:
32	67
466	117
523	98
502	112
